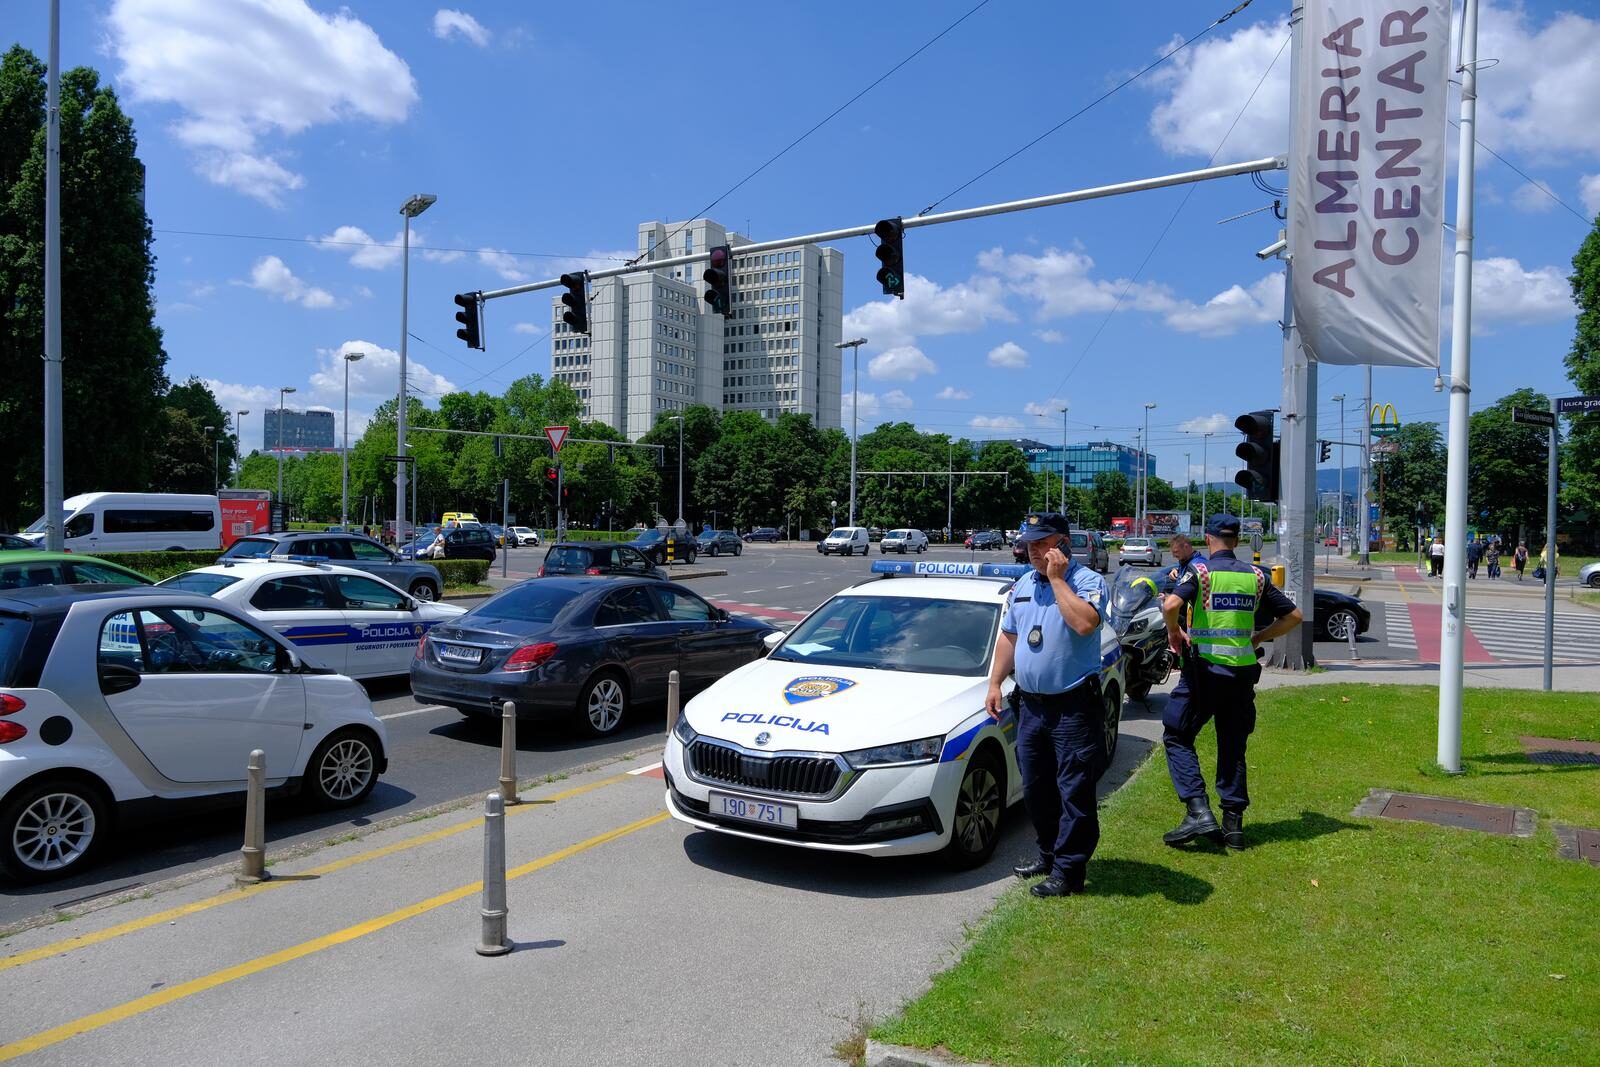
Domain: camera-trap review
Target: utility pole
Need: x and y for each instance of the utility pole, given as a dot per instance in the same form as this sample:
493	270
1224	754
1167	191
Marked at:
54	474
1063	459
1338	525
1364	519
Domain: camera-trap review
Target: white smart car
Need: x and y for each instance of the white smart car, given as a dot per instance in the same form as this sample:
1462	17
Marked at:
337	617
117	701
864	729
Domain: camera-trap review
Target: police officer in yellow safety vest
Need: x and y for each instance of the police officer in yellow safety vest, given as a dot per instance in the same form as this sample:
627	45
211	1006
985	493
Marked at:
1218	653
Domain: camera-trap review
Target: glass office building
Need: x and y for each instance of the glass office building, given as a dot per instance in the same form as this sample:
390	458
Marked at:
1084	460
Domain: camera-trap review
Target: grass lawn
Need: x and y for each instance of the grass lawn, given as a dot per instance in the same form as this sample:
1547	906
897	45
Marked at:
1588	599
1332	939
469	590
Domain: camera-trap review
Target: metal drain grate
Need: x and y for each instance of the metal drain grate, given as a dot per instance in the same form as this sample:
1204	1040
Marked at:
1489	818
1559	752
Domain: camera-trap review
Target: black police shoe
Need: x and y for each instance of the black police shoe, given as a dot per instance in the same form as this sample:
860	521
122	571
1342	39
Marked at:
1031	869
1198	823
1055	886
1233	829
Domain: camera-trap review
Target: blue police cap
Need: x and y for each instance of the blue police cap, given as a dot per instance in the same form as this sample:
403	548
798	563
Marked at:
1223	525
1044	524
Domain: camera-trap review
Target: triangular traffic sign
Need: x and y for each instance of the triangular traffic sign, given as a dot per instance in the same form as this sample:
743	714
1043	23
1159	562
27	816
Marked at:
557	435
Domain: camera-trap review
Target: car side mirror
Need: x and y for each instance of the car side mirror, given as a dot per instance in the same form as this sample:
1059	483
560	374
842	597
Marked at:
289	661
116	678
774	639
720	614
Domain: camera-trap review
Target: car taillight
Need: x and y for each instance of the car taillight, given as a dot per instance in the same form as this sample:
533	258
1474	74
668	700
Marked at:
594	570
541	571
11	731
528	657
422	643
11	704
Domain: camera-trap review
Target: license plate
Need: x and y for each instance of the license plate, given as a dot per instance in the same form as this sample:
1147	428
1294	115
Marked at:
759	811
460	654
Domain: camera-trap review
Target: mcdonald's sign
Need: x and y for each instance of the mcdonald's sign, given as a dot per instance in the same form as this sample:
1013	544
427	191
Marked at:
1385	423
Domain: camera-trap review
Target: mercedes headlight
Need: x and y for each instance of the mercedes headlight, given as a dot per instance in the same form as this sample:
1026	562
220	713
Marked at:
904	754
684	732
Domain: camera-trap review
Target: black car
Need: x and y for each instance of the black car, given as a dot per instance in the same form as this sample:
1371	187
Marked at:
762	533
583	649
596	557
13	541
716	542
1336	613
419	579
460	542
652	545
986	540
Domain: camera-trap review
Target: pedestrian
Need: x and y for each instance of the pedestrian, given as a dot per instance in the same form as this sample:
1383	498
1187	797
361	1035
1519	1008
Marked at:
1493	559
1474	554
1519	559
1225	596
1436	557
1057	609
1545	572
1184	555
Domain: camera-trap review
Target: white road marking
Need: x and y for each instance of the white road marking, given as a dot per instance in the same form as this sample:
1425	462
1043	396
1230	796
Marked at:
645	770
414	711
785	587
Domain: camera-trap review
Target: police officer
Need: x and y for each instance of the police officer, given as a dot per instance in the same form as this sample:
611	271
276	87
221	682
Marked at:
1218	653
1184	557
1050	637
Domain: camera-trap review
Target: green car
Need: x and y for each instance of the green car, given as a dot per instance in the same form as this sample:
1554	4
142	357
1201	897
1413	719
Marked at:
22	569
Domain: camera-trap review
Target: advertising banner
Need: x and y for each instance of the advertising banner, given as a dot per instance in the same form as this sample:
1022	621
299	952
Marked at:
1366	204
1167	523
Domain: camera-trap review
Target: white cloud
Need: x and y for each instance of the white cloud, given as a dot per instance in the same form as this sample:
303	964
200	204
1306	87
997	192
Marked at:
897	398
950	392
1505	292
1059	281
1207	424
1204	86
271	275
1534	197
1051	407
525	327
374	377
447	21
1010	354
929	310
868	403
368	253
903	364
1231	309
503	263
1589	192
239	73
1050	337
1002	424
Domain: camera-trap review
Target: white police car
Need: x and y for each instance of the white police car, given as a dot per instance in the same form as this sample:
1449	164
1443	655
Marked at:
337	617
864	728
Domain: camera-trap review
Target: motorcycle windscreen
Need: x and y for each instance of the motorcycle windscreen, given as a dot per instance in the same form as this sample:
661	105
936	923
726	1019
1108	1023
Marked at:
1131	593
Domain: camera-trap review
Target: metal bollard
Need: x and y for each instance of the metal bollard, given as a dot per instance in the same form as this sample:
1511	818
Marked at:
253	856
672	702
1355	657
492	937
508	752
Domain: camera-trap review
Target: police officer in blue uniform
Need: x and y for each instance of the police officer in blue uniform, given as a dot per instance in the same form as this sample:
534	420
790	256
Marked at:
1229	599
1050	637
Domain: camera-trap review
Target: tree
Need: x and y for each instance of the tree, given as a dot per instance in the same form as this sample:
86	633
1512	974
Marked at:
1413	477
1509	461
1161	495
1110	498
191	405
113	364
701	428
1580	470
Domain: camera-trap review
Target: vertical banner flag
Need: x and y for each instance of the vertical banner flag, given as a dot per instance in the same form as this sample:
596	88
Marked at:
1367	191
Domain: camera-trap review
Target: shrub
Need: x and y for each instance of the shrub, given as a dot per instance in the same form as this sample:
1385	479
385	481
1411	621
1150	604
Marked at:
457	572
159	565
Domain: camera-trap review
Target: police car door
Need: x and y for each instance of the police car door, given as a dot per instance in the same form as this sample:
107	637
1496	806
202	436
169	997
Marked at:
383	624
303	609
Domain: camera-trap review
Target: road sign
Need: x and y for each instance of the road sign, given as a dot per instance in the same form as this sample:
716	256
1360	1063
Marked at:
1533	416
400	459
557	435
1577	405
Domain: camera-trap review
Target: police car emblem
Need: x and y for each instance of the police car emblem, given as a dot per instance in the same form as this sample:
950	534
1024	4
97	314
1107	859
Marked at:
763	737
814	686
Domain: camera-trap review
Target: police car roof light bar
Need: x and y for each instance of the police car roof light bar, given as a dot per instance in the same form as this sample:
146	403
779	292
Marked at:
310	561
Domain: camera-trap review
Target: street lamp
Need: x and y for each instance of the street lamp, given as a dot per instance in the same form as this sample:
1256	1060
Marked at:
344	465
1205	441
1144	467
680	521
281	392
1064	467
216	454
1339	525
855	412
238	444
410	209
1188	477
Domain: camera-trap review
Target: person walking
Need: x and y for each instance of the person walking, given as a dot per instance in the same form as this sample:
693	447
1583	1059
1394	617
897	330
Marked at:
1056	610
1436	557
1218	679
1474	556
1493	559
1519	559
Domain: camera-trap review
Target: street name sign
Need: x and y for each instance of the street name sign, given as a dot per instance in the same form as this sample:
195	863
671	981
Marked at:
1577	405
1533	416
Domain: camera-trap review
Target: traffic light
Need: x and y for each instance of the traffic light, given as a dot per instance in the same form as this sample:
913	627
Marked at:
1260	454
719	295
577	300
468	318
552	478
891	252
1327	451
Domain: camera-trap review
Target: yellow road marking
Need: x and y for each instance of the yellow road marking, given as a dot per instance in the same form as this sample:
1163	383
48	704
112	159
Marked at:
57	1034
96	937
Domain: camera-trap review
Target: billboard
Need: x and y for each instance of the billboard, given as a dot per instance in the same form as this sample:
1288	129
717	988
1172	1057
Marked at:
1167	523
244	512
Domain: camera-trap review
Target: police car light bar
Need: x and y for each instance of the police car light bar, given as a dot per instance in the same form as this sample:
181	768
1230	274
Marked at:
929	569
295	558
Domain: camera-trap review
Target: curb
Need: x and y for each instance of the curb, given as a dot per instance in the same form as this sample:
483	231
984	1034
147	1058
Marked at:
880	1054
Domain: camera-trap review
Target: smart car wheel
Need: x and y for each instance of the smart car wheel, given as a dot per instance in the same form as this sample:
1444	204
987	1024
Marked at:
602	704
343	769
738	550
1113	722
424	591
980	804
51	828
1340	625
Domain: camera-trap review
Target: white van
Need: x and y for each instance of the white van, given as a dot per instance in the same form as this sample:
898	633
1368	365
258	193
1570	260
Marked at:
846	541
136	522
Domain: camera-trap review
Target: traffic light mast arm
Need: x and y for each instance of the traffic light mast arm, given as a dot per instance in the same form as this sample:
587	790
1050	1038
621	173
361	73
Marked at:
1099	192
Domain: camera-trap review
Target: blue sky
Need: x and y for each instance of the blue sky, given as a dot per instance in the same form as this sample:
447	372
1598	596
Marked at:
282	136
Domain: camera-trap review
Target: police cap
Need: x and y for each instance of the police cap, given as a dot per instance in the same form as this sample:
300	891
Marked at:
1044	524
1223	525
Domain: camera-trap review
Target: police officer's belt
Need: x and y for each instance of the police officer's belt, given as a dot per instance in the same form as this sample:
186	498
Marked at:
1092	680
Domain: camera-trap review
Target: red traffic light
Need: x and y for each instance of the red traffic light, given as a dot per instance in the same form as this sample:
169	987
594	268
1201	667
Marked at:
720	293
550	474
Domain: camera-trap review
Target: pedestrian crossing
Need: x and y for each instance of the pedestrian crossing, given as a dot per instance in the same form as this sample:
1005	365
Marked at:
1397	627
1507	635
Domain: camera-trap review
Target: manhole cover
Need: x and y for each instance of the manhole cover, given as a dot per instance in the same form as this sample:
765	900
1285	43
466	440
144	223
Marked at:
1489	818
1589	846
1555	750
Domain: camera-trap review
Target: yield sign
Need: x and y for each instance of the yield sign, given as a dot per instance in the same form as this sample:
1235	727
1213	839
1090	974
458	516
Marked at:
557	435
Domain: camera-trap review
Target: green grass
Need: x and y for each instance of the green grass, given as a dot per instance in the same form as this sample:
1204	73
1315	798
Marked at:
471	589
1332	939
1587	599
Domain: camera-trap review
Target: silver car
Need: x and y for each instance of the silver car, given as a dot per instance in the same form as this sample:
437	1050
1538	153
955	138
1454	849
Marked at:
1140	550
903	541
1589	575
421	580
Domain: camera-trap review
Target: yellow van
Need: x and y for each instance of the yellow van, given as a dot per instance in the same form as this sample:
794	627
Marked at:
458	517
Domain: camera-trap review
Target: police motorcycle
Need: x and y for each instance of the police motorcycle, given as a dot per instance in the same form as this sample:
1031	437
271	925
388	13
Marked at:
1135	616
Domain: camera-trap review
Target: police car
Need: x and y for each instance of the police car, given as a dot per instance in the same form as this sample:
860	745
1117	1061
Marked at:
864	729
337	617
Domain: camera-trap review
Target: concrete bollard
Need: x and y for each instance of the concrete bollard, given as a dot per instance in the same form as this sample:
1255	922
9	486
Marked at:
508	752
253	856
492	935
672	702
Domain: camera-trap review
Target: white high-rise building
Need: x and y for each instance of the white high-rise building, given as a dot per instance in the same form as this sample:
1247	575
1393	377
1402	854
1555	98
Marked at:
653	346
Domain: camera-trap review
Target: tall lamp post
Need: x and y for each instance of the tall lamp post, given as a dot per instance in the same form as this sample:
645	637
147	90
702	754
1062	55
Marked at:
1144	467
1188	477
1064	467
1205	482
279	442
1338	525
680	469
855	412
413	207
344	464
238	441
216	455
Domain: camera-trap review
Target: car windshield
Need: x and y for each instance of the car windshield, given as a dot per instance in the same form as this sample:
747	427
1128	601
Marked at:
37	526
528	602
649	537
843	534
568	557
896	633
250	548
1137	542
199	582
900	534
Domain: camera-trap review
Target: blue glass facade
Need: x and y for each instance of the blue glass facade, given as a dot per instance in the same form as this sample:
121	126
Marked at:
1084	460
